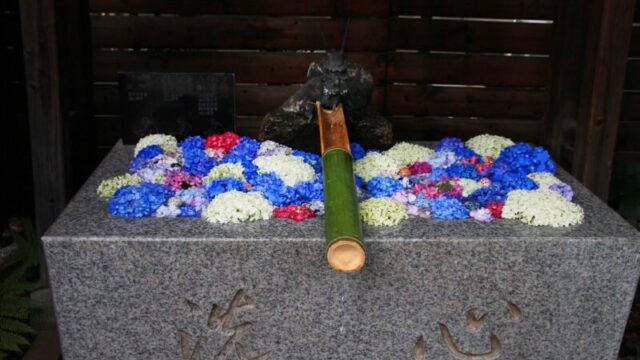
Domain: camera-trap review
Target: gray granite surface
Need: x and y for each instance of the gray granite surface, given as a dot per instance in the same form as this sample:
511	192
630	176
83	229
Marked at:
185	289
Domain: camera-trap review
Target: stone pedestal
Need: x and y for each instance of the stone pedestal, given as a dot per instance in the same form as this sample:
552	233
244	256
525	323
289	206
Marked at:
185	289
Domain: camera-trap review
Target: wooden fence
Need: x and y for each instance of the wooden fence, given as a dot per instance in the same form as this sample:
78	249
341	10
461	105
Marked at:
629	134
441	67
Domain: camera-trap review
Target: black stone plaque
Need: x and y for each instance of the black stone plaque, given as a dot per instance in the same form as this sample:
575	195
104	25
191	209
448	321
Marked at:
179	104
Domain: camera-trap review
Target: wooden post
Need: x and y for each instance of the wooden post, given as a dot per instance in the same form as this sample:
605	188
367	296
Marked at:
608	41
42	72
567	58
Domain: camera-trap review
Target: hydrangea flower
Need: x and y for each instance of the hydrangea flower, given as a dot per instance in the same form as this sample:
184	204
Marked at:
179	179
236	206
382	212
357	151
448	208
488	145
381	186
469	186
308	191
482	215
375	164
526	159
222	185
291	169
195	197
406	153
544	179
192	142
465	171
487	195
563	189
449	143
108	187
222	142
196	161
442	159
312	159
542	208
149	152
166	142
269	148
134	201
247	148
510	181
420	167
294	212
234	170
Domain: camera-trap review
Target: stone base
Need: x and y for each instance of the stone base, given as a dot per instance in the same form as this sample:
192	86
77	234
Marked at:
185	289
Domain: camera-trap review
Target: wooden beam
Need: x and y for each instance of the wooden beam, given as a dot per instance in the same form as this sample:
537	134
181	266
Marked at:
40	47
608	39
567	58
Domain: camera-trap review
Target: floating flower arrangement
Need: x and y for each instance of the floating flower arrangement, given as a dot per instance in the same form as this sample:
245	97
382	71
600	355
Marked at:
226	178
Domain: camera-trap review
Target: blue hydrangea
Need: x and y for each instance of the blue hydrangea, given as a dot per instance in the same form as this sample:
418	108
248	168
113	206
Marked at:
222	185
448	208
422	201
486	195
138	163
197	162
247	148
465	153
465	171
357	151
511	180
312	159
382	186
359	181
149	152
450	143
438	174
188	211
193	142
525	159
472	205
272	187
134	201
309	191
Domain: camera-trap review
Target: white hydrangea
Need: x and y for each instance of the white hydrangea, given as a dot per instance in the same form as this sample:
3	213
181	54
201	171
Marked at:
542	208
376	164
488	145
469	186
268	148
166	142
234	170
544	179
382	212
290	169
235	206
406	153
108	187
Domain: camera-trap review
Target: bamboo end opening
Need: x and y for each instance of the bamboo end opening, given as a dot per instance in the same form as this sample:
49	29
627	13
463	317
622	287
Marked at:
346	256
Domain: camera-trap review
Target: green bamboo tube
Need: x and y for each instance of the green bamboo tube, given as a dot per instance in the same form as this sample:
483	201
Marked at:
343	231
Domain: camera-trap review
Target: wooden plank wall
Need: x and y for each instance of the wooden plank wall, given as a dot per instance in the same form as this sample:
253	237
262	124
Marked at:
14	128
629	131
441	67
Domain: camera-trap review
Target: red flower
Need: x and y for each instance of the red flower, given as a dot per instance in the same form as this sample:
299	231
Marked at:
293	212
420	167
222	142
496	209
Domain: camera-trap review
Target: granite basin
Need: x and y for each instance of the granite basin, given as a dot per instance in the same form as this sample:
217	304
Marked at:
159	288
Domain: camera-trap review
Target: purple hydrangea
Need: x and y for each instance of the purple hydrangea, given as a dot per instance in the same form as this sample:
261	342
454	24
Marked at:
563	189
449	143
